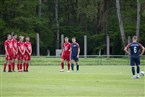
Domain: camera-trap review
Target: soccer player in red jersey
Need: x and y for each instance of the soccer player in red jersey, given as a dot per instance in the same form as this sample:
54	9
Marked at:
8	53
21	51
66	54
15	47
27	55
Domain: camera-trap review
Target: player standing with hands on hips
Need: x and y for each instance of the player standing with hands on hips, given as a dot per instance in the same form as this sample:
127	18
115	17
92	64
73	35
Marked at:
135	54
66	54
75	51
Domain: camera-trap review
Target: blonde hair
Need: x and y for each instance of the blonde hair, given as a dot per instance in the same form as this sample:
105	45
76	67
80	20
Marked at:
21	37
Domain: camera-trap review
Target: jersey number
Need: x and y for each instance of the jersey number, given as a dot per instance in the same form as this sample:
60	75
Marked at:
135	49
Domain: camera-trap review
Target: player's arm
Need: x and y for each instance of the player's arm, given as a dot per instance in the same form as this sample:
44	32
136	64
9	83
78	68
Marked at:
126	49
28	50
143	49
31	50
6	50
20	50
78	50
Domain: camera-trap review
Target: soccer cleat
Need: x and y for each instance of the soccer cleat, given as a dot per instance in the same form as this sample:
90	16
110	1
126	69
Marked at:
26	70
68	71
62	70
20	71
137	76
4	70
134	76
9	71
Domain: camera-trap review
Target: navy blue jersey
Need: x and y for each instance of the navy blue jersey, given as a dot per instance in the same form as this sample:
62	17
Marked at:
134	48
74	48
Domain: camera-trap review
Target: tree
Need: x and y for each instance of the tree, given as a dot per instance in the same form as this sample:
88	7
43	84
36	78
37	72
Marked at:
138	19
120	22
57	22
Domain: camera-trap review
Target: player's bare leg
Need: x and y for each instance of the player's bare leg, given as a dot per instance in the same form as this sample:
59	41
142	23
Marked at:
62	65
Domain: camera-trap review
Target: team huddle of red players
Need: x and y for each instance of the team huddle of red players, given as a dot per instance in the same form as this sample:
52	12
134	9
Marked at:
17	50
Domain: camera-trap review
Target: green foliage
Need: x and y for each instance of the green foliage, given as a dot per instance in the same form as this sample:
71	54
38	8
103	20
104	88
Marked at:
77	18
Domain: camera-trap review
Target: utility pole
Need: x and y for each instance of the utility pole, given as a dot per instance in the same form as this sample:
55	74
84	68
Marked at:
57	23
38	11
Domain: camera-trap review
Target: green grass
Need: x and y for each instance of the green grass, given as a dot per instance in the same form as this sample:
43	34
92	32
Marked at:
52	61
90	81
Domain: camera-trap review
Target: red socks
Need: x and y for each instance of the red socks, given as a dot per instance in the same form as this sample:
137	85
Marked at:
24	66
10	67
62	65
5	65
13	66
68	66
18	66
27	66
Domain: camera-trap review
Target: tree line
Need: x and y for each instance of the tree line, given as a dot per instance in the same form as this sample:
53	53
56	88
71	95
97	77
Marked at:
97	19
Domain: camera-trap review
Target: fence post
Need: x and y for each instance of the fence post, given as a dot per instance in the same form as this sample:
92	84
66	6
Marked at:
38	45
85	46
108	45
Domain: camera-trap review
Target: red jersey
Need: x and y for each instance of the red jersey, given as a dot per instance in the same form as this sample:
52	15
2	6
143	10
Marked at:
28	47
66	48
9	46
21	47
15	45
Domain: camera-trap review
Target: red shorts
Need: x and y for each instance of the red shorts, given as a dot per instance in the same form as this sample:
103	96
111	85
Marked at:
27	57
66	57
14	56
20	57
9	57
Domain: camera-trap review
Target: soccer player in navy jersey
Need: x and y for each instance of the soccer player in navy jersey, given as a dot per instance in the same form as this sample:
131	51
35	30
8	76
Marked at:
75	51
135	54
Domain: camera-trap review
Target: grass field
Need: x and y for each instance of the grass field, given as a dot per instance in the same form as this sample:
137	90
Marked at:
90	81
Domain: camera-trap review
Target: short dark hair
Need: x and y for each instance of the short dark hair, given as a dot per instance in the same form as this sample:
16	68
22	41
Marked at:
8	35
135	37
14	34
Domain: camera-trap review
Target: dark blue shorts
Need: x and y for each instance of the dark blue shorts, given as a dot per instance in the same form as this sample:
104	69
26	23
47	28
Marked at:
74	58
134	61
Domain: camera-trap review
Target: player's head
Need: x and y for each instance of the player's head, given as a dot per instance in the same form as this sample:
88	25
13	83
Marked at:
21	38
66	39
73	39
9	37
15	36
134	38
27	38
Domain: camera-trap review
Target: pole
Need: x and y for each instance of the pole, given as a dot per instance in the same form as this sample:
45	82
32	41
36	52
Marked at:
108	45
62	41
37	34
37	42
85	46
